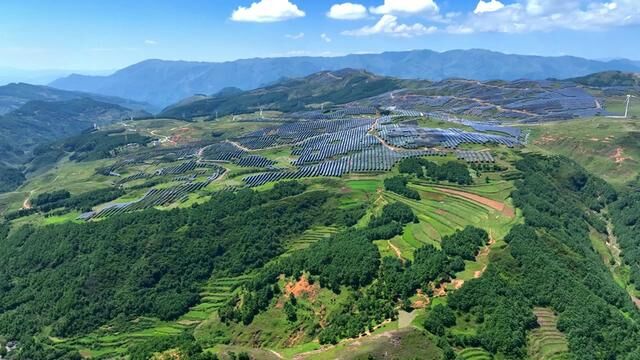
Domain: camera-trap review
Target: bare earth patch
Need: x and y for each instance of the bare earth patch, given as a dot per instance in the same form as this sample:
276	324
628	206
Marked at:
494	204
421	303
619	157
457	283
302	288
546	139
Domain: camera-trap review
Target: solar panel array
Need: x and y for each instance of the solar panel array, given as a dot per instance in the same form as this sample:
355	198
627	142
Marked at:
222	151
333	145
178	169
475	156
255	161
377	158
412	137
133	177
160	197
487	127
335	114
330	145
154	197
295	132
413	113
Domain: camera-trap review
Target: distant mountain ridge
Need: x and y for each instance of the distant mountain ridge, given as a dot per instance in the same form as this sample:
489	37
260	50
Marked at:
15	95
166	82
38	122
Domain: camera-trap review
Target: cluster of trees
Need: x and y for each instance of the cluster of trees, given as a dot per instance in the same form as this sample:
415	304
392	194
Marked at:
625	215
50	197
551	263
63	200
398	185
465	244
12	215
184	345
396	281
451	171
77	277
348	258
10	178
440	317
85	201
99	145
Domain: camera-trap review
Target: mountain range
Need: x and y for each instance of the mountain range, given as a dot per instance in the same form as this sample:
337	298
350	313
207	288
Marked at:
32	115
15	95
162	83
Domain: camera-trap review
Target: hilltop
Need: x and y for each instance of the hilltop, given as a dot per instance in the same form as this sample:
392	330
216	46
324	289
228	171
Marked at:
610	79
332	87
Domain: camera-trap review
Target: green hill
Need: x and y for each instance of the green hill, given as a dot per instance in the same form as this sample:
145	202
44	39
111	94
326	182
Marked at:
610	79
337	87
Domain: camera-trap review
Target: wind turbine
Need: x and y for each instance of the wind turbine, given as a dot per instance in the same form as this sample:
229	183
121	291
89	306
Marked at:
626	109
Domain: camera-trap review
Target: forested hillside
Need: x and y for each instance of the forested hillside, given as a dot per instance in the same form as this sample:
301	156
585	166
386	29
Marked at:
77	277
551	263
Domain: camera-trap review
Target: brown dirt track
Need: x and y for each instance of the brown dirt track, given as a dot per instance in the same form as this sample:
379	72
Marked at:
493	204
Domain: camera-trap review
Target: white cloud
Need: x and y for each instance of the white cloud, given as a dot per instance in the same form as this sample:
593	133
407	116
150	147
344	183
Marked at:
150	42
549	15
406	7
297	36
325	38
488	6
389	25
495	16
347	11
266	11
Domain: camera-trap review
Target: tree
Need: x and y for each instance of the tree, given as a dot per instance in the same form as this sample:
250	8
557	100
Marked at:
440	317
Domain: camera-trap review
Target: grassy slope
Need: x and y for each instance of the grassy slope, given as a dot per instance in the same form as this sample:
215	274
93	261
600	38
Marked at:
594	144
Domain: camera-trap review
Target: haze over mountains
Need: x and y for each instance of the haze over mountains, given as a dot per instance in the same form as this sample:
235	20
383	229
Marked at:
31	115
163	83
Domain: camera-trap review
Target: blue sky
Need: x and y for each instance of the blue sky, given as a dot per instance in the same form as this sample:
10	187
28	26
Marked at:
99	35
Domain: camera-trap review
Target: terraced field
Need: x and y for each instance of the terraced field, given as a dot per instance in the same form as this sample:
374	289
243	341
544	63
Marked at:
309	237
546	342
112	344
214	294
442	212
106	342
474	354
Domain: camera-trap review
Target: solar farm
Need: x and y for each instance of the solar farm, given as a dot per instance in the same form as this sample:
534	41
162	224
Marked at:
520	101
356	145
310	144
